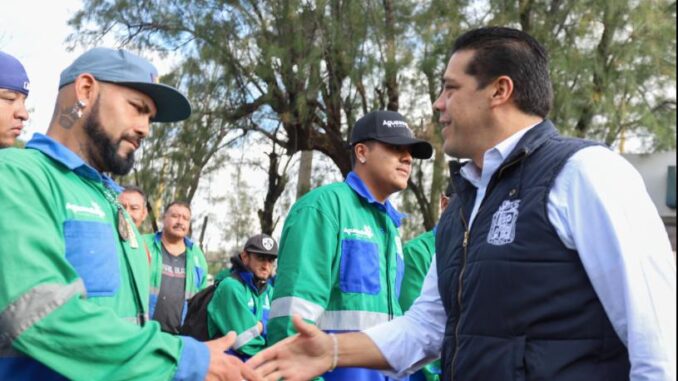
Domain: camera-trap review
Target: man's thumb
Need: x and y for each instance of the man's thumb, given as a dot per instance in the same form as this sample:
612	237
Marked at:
227	341
302	327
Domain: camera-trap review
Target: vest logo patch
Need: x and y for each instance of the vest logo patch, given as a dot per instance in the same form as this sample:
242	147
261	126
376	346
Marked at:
503	229
366	231
94	210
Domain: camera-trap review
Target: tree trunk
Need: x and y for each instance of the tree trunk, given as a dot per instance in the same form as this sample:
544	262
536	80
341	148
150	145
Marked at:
305	170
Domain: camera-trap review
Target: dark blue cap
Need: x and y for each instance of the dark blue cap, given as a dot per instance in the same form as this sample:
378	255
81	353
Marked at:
12	74
128	69
391	128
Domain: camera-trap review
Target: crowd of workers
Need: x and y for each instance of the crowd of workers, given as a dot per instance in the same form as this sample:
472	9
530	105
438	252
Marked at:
549	261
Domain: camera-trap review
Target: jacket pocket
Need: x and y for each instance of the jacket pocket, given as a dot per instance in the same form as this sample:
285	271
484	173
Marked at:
359	267
91	250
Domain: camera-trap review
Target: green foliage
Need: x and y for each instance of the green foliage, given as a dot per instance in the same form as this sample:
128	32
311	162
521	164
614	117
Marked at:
300	72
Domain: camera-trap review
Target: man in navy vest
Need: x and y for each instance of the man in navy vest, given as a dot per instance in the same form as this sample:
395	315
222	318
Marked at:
552	262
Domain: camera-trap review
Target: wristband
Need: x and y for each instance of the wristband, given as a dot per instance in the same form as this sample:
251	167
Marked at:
335	352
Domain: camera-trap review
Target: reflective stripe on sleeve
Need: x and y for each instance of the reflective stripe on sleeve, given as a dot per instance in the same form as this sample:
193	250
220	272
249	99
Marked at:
245	337
32	306
291	305
350	320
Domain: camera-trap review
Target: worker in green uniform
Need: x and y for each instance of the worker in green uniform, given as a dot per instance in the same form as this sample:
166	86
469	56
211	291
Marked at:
14	86
242	301
418	253
340	262
73	275
178	267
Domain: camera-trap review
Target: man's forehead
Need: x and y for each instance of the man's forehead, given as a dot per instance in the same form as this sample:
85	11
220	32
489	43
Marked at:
13	92
178	208
457	64
131	196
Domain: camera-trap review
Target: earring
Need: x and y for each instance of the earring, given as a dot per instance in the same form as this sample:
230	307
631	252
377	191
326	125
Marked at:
363	160
79	106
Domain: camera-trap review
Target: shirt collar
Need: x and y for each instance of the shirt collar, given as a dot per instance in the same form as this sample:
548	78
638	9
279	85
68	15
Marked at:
492	159
356	183
158	240
59	153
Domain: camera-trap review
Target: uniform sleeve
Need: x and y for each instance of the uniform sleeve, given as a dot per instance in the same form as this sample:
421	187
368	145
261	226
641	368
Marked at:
44	313
600	207
229	311
417	255
305	259
416	338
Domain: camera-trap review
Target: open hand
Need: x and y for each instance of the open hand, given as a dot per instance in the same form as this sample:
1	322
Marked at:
300	357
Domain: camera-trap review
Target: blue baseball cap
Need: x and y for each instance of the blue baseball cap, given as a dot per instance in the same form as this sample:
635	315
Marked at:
12	74
124	68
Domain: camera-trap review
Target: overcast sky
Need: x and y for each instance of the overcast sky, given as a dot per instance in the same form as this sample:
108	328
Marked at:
34	32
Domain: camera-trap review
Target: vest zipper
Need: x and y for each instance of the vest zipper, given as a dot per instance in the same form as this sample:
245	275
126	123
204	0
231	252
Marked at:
467	237
467	234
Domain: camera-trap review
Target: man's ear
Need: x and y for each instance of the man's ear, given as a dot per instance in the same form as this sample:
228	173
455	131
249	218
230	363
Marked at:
502	90
361	151
86	89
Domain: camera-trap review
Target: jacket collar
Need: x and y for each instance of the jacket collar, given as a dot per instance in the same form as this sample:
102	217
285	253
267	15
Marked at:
187	241
59	153
239	270
359	187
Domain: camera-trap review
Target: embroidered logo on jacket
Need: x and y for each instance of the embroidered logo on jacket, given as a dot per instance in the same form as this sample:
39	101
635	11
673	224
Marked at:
503	229
365	232
95	209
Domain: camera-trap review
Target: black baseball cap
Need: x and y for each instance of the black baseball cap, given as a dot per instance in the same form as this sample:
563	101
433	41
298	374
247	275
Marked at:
262	244
391	128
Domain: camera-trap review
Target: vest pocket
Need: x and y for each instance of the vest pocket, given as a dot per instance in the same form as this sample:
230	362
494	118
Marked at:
91	249
359	267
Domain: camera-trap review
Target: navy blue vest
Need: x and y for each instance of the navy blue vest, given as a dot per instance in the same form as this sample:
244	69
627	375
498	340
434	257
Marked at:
519	303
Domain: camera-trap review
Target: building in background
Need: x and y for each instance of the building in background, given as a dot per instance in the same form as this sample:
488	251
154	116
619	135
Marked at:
659	173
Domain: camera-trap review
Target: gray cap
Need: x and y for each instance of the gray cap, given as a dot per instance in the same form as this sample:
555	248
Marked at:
262	244
128	69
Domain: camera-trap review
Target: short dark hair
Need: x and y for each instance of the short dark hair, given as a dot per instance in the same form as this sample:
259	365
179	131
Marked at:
176	202
136	189
514	53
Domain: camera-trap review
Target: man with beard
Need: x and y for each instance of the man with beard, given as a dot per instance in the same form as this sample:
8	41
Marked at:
178	267
241	302
14	86
73	274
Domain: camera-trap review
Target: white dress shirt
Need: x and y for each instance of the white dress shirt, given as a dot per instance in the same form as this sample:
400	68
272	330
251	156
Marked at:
599	206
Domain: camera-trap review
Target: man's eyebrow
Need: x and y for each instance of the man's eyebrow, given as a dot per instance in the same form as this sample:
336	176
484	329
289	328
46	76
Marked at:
143	105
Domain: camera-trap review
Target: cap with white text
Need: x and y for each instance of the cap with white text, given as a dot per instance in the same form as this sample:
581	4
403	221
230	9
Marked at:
391	128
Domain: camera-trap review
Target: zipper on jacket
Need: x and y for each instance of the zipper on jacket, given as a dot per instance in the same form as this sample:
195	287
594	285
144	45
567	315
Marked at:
465	243
467	234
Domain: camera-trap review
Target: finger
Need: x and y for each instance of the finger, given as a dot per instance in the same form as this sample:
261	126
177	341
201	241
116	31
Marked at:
227	341
248	374
267	368
302	327
275	376
262	357
270	353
